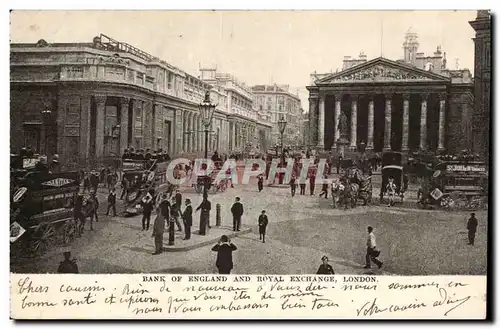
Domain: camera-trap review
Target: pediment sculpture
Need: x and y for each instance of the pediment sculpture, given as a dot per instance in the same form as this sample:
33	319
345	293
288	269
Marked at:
380	72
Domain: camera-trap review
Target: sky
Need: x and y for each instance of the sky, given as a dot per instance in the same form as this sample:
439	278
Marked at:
259	47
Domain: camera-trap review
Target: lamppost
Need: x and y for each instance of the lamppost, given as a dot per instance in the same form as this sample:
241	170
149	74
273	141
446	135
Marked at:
207	110
46	115
282	126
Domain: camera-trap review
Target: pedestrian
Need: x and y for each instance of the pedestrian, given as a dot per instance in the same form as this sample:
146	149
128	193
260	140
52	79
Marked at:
302	186
263	221
175	210
293	185
260	182
147	208
339	164
68	265
205	207
325	268
111	202
94	182
125	185
237	211
312	182
187	218
471	228
224	250
95	206
159	224
371	250
324	189
391	191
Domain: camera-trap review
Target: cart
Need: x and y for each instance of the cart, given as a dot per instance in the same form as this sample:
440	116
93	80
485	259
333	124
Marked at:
42	212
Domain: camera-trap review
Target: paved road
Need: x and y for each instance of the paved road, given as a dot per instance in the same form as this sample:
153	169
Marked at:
301	230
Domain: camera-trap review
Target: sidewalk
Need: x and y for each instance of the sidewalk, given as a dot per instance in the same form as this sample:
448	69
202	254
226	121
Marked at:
198	241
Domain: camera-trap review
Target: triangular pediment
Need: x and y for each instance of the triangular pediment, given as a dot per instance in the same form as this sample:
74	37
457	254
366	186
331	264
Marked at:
381	70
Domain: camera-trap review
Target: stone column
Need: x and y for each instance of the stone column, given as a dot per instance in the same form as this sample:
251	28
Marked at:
146	124
338	98
184	131
321	122
196	133
313	103
124	104
354	122
423	122
371	123
406	122
388	121
99	135
442	105
190	133
84	129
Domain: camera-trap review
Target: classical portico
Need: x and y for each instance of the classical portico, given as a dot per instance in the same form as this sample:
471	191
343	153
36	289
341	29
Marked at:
388	106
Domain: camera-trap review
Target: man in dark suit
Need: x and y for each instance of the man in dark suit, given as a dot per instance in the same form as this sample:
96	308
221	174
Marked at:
187	218
224	250
237	211
205	207
472	227
263	221
147	206
159	224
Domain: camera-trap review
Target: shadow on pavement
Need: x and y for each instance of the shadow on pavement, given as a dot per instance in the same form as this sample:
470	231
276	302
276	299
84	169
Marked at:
174	270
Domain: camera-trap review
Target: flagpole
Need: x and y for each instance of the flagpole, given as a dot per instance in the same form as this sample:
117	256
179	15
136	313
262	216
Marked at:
381	36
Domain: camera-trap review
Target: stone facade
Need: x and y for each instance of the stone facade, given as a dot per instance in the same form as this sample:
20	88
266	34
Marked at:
392	105
482	82
90	101
278	101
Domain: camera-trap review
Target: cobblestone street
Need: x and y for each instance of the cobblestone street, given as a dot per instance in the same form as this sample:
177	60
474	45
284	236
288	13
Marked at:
301	230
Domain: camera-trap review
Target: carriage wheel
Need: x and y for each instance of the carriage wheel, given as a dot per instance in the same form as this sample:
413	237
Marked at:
43	238
69	231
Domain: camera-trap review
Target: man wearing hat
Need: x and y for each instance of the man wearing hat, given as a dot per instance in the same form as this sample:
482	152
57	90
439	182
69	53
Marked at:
325	268
224	249
67	265
263	221
187	218
159	224
147	207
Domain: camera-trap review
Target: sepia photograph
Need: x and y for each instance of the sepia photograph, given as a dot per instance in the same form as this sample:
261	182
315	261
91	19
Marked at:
250	142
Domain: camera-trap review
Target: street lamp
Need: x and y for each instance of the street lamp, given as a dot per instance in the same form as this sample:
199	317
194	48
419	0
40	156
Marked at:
282	126
207	109
46	115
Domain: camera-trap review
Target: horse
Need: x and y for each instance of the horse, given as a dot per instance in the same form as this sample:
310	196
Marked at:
88	209
336	190
351	194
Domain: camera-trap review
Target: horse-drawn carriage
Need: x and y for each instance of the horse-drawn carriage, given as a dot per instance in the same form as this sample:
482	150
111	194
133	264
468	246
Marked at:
42	212
143	176
392	168
453	183
352	187
211	180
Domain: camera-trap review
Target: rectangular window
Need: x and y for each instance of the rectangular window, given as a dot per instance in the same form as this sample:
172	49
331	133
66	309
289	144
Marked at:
170	79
